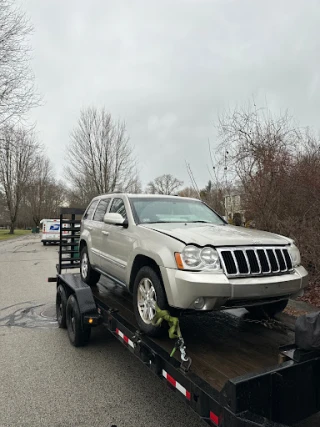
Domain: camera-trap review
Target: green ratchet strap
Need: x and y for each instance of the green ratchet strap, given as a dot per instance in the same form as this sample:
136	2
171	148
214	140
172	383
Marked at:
174	327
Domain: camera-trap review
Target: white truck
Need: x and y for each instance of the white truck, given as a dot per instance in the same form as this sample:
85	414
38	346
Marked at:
50	231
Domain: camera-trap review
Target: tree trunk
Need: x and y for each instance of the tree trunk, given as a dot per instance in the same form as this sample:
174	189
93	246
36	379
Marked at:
12	228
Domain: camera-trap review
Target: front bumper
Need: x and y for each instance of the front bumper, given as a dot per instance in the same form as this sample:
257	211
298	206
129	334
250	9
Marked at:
184	287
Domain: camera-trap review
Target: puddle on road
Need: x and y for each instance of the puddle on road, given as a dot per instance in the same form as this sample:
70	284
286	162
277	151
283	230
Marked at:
29	315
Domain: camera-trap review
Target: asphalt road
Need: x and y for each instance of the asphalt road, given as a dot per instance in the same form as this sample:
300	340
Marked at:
44	381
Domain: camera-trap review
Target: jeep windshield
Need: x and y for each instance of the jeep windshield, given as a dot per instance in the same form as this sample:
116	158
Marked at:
168	210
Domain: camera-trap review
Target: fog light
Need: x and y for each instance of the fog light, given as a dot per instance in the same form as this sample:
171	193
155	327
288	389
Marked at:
199	303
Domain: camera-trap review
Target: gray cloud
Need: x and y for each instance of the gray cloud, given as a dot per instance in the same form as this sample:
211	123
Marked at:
168	68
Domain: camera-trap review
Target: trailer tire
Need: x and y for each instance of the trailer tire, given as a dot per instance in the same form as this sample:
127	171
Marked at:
88	274
149	275
61	307
78	335
267	310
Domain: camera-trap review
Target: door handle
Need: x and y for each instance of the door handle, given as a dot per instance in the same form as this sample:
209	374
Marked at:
106	233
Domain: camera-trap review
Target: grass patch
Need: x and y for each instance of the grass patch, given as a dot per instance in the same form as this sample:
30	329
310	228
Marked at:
4	234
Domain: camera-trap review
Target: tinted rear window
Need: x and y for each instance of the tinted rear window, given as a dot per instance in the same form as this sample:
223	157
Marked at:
90	210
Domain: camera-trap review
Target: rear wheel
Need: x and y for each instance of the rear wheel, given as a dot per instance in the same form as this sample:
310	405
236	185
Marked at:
88	275
267	310
78	335
61	306
147	292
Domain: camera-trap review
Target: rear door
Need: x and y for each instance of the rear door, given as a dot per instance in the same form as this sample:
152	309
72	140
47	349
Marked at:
117	243
54	230
88	231
98	228
51	230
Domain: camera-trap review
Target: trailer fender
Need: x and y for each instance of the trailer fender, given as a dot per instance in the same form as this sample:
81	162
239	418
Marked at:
83	295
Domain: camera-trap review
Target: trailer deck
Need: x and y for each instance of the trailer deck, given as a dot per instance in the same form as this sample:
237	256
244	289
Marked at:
239	377
221	345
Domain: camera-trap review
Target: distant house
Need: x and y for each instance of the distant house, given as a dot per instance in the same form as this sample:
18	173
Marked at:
233	207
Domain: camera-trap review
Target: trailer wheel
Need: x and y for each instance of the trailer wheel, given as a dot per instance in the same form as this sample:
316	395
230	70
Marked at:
88	275
267	310
148	291
61	306
78	335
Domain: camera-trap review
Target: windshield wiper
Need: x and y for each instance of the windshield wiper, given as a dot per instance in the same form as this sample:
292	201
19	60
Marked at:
155	222
200	221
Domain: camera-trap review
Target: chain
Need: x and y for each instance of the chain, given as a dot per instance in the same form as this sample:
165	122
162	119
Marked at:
268	323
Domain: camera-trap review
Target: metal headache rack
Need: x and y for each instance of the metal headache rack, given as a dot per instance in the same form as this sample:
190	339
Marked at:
69	256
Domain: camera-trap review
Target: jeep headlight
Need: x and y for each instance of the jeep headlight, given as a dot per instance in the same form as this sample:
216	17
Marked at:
295	255
194	258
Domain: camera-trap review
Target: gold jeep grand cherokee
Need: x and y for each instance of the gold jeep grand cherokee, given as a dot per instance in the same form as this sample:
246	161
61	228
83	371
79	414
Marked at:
177	252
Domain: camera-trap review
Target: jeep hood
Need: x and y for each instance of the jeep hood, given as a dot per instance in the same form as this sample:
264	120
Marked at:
217	235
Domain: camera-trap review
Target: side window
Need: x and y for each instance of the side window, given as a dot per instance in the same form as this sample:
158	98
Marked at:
101	210
118	207
90	210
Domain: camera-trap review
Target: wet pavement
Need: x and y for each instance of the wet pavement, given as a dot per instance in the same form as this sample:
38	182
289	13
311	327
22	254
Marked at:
44	381
28	315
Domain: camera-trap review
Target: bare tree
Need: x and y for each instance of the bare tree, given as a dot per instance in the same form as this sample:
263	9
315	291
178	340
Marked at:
164	184
100	159
17	90
43	196
4	218
189	192
260	150
18	153
278	166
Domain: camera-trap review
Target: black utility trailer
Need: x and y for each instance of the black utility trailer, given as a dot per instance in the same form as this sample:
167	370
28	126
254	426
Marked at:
241	374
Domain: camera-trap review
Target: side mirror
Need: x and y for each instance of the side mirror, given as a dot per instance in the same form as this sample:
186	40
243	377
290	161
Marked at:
115	219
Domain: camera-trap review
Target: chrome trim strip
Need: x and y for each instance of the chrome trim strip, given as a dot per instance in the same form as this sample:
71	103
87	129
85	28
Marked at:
258	260
109	259
276	257
248	263
235	261
269	264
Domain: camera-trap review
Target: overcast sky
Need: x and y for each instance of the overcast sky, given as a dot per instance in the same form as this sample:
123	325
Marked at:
168	68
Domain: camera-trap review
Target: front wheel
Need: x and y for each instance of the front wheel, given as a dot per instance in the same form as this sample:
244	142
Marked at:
148	292
267	310
88	275
78	335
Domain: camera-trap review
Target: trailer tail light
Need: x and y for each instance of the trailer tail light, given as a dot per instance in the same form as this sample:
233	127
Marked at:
215	419
176	385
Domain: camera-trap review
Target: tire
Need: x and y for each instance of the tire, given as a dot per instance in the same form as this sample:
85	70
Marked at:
61	307
78	335
88	274
267	310
44	243
147	275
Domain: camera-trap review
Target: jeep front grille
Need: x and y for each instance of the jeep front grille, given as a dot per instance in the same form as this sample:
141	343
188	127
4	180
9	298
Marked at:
254	261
